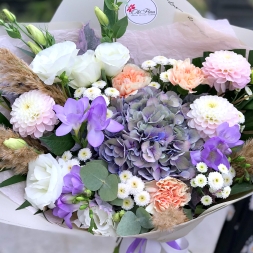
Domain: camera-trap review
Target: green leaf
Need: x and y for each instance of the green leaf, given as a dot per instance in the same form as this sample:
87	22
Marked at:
109	189
120	27
206	54
188	213
240	51
144	218
117	202
38	212
144	231
31	54
58	144
13	34
197	62
110	14
109	4
5	121
241	188
24	205
93	175
250	58
199	210
106	39
128	225
13	180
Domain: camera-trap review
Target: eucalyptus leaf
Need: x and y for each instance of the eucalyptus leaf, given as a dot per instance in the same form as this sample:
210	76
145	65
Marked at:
144	218
188	213
13	180
109	189
24	205
117	202
241	188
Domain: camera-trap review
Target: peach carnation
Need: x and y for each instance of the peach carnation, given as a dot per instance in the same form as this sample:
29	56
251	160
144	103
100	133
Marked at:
186	75
168	192
130	80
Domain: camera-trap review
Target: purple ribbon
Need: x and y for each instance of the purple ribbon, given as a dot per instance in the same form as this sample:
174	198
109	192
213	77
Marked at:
134	245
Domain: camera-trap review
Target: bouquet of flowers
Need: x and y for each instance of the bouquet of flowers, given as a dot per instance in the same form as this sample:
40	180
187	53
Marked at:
122	150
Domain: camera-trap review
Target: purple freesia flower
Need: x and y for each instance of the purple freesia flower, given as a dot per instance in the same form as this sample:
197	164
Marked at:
97	122
72	182
72	115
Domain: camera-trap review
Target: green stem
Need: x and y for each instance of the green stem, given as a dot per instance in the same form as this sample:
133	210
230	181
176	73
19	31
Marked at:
27	34
64	91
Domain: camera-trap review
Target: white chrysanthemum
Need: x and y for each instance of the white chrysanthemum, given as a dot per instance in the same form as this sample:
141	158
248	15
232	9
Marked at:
161	60
123	191
215	180
206	200
84	154
232	172
128	203
226	192
212	191
148	65
172	61
68	164
228	179
202	167
142	198
125	175
32	114
112	92
99	84
66	156
201	180
248	90
106	99
92	93
164	76
208	112
136	185
193	183
109	114
223	168
79	92
241	118
155	85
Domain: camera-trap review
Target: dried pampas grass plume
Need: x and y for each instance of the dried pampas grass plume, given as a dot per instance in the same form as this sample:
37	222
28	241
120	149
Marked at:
17	78
15	159
168	219
247	152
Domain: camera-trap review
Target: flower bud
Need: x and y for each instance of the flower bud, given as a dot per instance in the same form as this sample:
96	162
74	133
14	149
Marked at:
35	48
10	16
116	217
121	213
15	144
247	165
88	193
80	198
37	35
1	22
102	18
83	207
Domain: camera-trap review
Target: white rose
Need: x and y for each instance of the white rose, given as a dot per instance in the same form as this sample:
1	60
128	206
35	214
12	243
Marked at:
54	60
85	71
112	57
102	219
44	181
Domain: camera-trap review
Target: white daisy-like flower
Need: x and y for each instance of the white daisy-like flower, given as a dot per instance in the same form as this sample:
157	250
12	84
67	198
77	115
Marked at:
99	84
232	172
164	76
219	194
212	190
161	60
123	191
202	167
206	200
142	198
201	180
241	118
193	183
148	65
155	85
66	156
228	179
111	92
109	114
136	185
125	175
79	92
223	168
106	99
128	203
248	90
92	93
84	154
215	180
226	192
172	62
68	164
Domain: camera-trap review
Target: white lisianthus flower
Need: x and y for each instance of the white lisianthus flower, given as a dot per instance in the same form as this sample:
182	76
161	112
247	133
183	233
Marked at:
103	220
92	93
148	65
206	200
202	167
201	180
123	191
164	76
136	185
84	154
155	85
161	60
66	156
112	57
79	92
112	92
44	181
215	180
128	204
53	61
85	71
99	84
142	198
223	168
125	175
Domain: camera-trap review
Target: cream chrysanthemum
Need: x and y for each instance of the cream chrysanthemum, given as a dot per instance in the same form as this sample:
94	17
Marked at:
84	154
123	191
201	180
208	112
206	200
136	185
79	92
232	172
155	85
66	156
223	168
226	192
148	65
99	84
215	180
92	93
193	183
202	167
164	76
125	175
142	198
111	92
228	179
128	203
161	60
32	114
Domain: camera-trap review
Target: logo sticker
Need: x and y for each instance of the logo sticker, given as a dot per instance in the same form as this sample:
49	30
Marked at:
141	12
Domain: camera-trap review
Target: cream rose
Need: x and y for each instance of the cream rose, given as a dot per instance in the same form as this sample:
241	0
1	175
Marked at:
54	60
44	181
85	71
112	57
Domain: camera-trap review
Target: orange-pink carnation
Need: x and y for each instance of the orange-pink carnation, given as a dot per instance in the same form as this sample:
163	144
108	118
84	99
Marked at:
186	75
130	80
168	192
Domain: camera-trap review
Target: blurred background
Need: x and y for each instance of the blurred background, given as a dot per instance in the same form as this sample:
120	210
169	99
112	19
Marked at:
238	12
